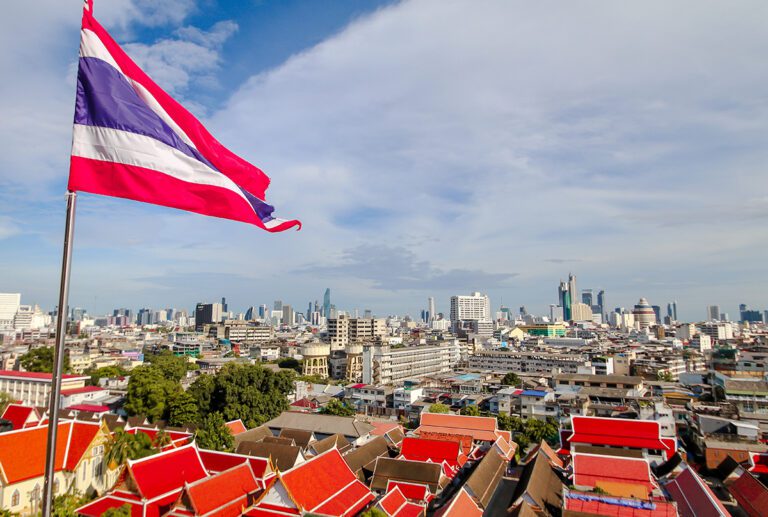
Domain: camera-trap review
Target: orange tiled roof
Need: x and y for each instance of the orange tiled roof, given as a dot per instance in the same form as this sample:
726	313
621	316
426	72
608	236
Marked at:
226	492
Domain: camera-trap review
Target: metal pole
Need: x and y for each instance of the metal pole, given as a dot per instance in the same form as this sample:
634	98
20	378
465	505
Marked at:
61	331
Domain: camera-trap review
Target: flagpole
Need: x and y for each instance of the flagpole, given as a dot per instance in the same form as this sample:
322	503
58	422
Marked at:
61	331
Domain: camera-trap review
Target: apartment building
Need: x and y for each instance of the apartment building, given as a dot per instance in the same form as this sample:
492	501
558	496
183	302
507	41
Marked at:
527	362
384	364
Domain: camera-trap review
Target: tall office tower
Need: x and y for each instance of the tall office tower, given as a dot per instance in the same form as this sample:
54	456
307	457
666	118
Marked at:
78	314
431	308
424	316
586	297
317	307
224	307
278	306
144	317
309	311
523	311
656	312
473	307
602	303
713	312
749	315
674	310
669	312
564	300
9	306
252	313
644	314
327	303
572	288
368	313
207	313
288	316
263	310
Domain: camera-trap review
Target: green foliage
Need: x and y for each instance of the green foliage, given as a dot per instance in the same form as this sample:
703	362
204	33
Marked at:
7	513
161	439
183	410
125	446
664	376
150	392
511	379
337	408
120	511
174	368
439	408
65	505
214	434
105	372
529	431
470	410
5	399
41	360
289	362
373	512
246	391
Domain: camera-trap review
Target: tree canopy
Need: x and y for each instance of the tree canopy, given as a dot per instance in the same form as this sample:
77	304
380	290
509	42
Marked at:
337	408
126	446
150	392
439	408
5	399
214	434
120	511
512	379
470	410
105	372
41	360
183	410
249	392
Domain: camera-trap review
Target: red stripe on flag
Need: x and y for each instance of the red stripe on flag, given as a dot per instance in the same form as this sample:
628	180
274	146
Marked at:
150	186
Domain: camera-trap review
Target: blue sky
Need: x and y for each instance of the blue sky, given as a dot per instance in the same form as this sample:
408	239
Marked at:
430	148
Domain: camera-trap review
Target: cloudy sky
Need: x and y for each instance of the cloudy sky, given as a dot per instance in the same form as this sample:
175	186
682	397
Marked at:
430	148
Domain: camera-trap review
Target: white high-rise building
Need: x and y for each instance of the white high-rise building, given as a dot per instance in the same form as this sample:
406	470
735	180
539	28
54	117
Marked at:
431	309
9	306
474	307
713	313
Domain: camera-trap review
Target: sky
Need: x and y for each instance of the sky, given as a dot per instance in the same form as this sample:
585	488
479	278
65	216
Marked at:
430	148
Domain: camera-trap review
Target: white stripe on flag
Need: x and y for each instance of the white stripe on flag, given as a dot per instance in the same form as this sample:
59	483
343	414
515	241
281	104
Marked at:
91	46
114	145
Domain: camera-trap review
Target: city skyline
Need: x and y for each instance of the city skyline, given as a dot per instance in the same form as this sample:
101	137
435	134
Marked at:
412	188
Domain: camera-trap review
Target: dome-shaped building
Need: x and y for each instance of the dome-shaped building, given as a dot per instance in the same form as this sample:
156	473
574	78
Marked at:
644	315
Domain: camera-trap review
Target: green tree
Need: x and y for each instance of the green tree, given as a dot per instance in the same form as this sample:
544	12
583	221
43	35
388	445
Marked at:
472	410
214	434
126	446
105	372
5	399
65	505
664	376
173	367
249	392
373	512
161	439
512	379
337	408
509	422
149	392
289	362
439	408
183	410
120	511
41	360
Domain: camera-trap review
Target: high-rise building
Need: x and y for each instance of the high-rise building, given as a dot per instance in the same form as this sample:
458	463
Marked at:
288	316
309	311
572	287
9	306
207	313
473	307
431	308
586	297
644	314
564	300
327	303
78	314
713	312
656	312
144	317
748	315
278	305
224	307
602	303
252	313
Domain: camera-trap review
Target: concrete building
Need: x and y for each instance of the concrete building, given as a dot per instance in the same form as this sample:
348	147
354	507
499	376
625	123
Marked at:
344	330
383	364
718	331
207	313
581	312
713	313
34	389
315	356
644	315
527	362
9	306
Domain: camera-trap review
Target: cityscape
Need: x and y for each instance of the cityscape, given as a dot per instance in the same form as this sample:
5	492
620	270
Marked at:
384	258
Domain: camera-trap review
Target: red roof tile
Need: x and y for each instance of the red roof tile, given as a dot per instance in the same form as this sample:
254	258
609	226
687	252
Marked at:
620	432
382	428
226	492
22	452
91	408
462	505
601	505
693	497
270	510
412	491
759	463
97	507
236	426
19	415
751	494
436	451
395	504
216	461
84	389
325	484
590	470
166	471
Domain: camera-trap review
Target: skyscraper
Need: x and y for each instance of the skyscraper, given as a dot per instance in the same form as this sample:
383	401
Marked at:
252	313
713	312
207	313
572	287
564	300
327	303
431	308
644	314
474	307
586	297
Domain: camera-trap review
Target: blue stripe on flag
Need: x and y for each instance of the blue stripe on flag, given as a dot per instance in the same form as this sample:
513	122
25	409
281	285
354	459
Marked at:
262	209
105	98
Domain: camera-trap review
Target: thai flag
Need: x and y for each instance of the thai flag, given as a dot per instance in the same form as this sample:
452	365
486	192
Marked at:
132	140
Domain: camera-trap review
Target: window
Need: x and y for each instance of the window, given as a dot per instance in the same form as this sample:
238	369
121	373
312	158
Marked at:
15	498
